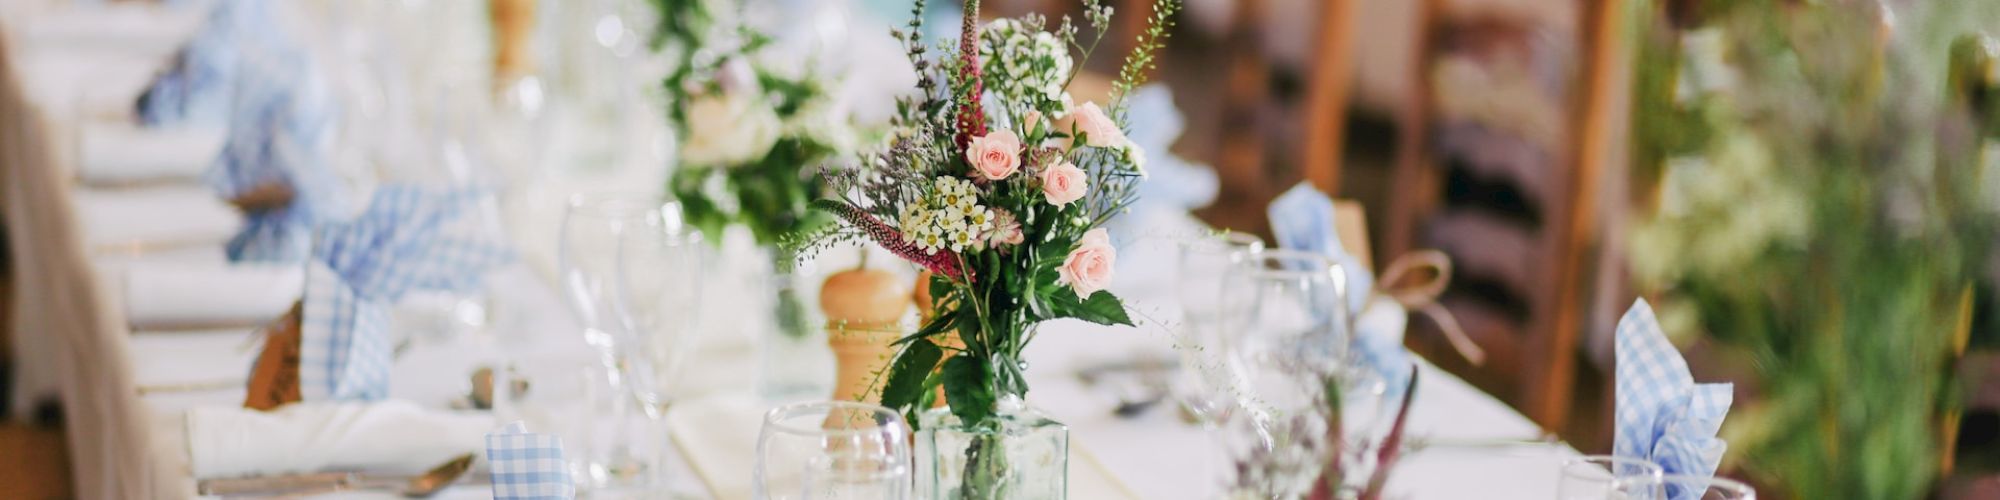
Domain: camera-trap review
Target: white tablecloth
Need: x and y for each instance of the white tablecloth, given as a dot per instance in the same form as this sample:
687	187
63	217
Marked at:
1156	455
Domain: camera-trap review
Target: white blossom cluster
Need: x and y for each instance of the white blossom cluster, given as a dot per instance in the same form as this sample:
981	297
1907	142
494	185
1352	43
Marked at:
951	217
1026	65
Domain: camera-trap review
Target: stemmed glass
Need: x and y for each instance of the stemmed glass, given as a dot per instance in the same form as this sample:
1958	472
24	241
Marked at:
1203	385
1678	487
1207	314
632	270
1597	477
1286	364
833	450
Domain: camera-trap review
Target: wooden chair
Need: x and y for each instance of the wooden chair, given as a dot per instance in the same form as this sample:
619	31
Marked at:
1521	227
1247	150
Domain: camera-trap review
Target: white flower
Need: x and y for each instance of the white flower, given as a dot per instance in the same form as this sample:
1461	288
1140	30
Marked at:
1136	156
960	240
729	129
979	219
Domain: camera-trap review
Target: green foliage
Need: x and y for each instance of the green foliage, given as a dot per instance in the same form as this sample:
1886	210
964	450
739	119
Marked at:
908	372
1820	212
1141	61
1102	308
968	384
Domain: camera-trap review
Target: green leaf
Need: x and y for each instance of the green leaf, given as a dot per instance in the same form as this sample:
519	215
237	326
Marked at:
907	373
938	324
1102	308
926	398
967	385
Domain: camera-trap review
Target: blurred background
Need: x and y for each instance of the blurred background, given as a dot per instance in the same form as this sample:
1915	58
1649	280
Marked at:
1803	187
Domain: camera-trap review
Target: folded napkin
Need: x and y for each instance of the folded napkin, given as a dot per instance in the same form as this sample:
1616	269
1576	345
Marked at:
148	219
1171	180
527	466
244	72
387	436
1303	219
1662	415
181	296
121	154
718	435
409	238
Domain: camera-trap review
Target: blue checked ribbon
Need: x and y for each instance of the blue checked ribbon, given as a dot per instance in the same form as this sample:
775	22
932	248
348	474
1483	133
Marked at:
1663	416
244	72
1303	219
527	466
409	238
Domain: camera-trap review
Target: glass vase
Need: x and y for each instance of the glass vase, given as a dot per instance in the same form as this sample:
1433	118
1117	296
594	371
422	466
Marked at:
1018	454
793	357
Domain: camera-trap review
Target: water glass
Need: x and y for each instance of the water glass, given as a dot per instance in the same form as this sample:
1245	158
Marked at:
833	450
1680	487
1598	477
1288	369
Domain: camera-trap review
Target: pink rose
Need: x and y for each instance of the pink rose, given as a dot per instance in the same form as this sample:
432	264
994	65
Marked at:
1031	120
1088	267
994	156
1063	183
1097	128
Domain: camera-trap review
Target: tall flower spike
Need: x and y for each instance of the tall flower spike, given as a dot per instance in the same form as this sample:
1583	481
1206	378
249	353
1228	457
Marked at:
971	116
943	262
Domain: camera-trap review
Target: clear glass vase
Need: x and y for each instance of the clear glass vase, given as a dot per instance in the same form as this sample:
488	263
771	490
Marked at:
793	356
1019	454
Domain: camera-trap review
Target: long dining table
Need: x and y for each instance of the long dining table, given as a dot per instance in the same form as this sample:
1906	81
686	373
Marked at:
1467	443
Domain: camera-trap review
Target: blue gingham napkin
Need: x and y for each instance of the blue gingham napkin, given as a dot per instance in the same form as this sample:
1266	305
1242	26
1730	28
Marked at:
1302	219
527	466
408	238
243	71
1662	415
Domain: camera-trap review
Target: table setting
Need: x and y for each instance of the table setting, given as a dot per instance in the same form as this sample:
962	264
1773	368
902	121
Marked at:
997	290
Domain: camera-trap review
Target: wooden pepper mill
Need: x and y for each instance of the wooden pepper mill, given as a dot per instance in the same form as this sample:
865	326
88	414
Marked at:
864	308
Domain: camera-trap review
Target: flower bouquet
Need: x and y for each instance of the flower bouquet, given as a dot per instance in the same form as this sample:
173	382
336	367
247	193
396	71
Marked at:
751	132
999	185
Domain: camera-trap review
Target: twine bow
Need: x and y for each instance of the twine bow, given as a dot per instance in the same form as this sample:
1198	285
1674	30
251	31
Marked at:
1415	281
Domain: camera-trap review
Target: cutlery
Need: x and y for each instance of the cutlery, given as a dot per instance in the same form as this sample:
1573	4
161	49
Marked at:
420	486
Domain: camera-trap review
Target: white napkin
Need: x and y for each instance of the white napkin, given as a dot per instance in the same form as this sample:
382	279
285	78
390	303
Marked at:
386	436
183	296
718	435
117	220
111	154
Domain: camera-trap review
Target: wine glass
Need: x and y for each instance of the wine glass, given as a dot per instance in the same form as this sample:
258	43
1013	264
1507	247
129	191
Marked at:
1205	264
1286	364
658	300
833	450
1680	487
632	270
1596	477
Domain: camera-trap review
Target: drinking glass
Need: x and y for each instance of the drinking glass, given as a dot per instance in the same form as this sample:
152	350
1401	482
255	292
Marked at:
1597	477
1678	487
1205	264
560	396
632	270
833	450
658	301
1286	361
